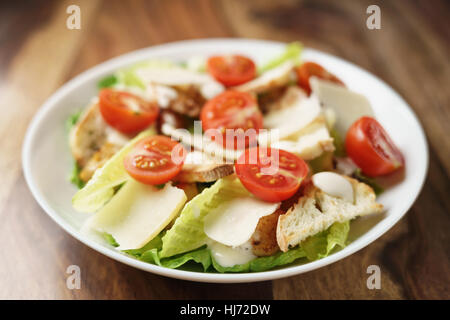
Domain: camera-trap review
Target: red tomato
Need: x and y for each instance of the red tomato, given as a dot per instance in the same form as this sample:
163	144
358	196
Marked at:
125	111
281	184
232	110
371	148
155	160
231	70
309	69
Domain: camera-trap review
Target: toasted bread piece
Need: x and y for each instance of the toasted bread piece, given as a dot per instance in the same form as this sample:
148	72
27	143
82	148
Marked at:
88	135
316	211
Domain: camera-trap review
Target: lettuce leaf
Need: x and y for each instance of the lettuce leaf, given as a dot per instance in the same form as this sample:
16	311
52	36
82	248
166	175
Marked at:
201	255
322	163
72	120
323	243
187	233
154	244
313	248
292	52
107	82
339	143
278	259
264	263
74	177
369	181
110	239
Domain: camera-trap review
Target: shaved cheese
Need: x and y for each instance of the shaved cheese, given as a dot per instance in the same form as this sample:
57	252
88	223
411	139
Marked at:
137	213
334	184
172	76
175	77
202	143
308	146
291	120
348	106
290	97
232	223
275	77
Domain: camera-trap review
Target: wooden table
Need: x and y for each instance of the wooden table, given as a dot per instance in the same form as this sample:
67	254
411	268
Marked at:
38	54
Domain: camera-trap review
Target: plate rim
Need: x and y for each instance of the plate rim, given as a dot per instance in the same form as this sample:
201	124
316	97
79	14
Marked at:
371	235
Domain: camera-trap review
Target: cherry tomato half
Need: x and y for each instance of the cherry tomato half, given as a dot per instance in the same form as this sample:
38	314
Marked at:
232	110
125	111
231	70
371	148
288	171
309	69
155	160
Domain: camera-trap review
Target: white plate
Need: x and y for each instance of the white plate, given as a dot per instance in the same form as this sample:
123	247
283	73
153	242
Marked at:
47	159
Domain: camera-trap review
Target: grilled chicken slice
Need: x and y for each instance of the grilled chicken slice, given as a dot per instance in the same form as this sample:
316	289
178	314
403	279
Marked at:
264	239
92	141
199	167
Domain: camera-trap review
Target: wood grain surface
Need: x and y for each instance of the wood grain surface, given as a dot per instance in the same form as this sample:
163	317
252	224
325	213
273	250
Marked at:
38	54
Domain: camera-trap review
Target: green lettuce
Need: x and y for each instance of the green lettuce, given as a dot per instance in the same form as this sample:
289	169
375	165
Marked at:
322	163
339	143
263	263
74	177
154	244
110	239
292	52
187	233
107	82
72	120
201	255
313	248
369	181
323	243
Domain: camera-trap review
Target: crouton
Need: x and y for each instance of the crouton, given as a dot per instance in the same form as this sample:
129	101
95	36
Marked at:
316	211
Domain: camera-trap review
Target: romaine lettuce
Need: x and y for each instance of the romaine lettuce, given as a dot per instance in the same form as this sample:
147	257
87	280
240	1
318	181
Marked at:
292	52
315	247
187	232
323	243
74	177
369	181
